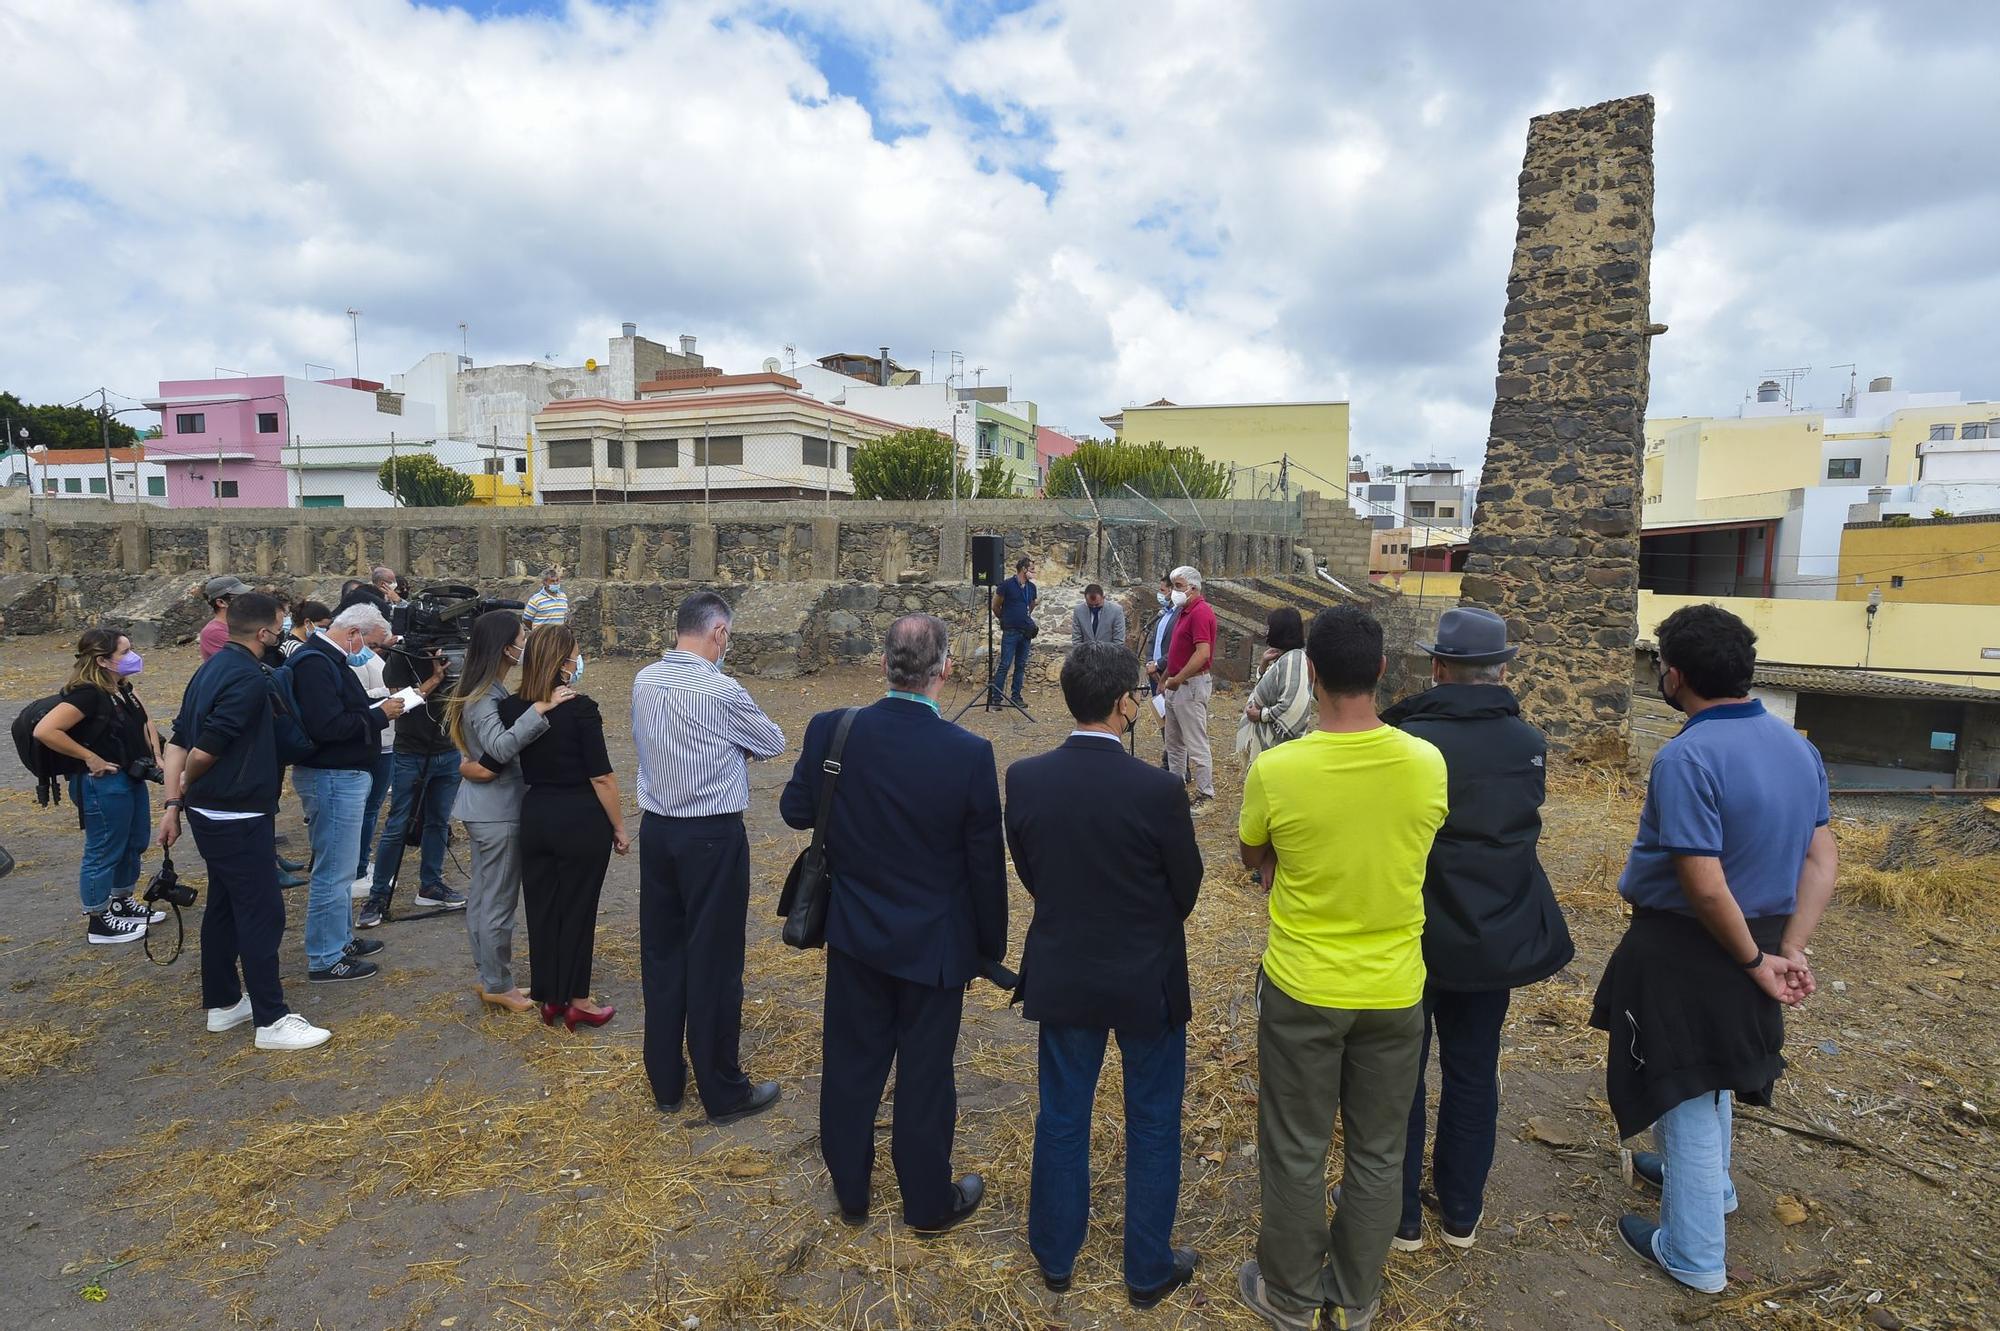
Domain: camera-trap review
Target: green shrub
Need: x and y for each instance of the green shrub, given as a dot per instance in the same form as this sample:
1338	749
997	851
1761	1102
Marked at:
419	480
909	464
1153	469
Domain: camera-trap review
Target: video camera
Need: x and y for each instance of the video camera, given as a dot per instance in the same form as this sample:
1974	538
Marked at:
437	621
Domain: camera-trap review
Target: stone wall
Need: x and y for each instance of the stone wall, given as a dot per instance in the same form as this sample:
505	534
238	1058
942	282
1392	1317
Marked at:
1336	534
1555	541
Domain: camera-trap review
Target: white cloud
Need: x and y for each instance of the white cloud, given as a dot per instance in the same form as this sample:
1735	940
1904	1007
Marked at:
1276	200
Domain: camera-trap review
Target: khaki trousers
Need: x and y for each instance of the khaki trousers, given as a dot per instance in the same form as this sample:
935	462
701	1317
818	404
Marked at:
1187	732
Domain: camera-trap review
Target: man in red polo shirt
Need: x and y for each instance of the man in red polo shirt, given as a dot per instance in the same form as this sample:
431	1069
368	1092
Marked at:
1189	684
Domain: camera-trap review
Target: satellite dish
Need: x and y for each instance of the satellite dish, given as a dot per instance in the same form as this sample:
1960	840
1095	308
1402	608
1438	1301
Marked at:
590	364
772	365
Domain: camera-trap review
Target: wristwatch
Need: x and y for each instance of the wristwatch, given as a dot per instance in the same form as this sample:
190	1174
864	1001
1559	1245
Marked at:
1755	961
172	804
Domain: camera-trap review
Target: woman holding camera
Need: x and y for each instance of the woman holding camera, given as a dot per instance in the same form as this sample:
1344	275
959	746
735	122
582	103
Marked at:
489	799
100	723
571	821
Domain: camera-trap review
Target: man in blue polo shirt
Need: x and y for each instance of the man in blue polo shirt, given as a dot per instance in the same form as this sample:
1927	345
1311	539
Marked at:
1732	869
1014	602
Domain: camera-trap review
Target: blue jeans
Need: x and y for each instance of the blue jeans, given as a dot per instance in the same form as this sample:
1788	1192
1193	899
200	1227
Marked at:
378	790
1468	1040
438	774
1693	1137
1014	652
1059	1190
117	817
336	794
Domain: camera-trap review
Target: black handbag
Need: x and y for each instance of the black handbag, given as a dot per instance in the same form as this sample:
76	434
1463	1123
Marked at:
803	902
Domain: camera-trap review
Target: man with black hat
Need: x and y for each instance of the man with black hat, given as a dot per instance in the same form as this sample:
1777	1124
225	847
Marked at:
1491	923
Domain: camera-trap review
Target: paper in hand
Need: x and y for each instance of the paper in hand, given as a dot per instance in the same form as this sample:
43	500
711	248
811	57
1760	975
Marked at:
410	699
1160	705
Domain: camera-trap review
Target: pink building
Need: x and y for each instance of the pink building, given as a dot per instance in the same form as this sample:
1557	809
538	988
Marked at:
274	441
1050	445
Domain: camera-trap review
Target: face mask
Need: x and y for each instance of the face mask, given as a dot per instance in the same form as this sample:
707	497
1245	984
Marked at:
555	589
576	674
1162	598
1663	693
361	658
1179	598
288	623
128	665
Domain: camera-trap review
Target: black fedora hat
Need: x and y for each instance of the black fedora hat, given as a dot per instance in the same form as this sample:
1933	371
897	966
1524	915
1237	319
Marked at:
1471	636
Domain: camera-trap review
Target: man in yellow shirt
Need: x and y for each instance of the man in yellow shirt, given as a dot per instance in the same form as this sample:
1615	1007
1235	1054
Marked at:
1340	824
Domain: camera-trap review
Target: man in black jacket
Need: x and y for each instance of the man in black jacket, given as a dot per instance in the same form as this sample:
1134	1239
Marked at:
918	909
336	715
1105	845
222	767
1491	922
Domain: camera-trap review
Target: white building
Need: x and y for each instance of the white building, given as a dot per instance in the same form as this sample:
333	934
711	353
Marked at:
1423	494
79	473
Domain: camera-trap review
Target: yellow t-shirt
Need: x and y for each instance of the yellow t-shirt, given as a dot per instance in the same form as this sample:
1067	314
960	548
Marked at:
1352	817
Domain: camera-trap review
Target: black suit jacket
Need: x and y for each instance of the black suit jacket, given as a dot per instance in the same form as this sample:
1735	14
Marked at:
919	876
1105	845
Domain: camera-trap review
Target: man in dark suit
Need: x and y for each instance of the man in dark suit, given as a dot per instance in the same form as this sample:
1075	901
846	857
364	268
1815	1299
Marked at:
1105	844
918	908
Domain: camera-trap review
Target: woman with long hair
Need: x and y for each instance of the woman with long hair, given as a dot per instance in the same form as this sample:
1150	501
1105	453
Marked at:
1281	706
571	821
489	797
100	723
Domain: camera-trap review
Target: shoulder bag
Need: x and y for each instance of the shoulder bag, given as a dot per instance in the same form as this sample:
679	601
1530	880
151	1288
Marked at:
803	902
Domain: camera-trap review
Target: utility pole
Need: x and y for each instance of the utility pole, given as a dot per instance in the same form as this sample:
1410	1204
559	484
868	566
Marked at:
104	426
354	318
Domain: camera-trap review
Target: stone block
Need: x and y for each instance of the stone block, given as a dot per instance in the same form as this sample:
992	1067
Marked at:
701	552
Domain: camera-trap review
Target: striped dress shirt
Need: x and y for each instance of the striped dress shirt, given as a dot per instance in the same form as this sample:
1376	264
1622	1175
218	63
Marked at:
694	728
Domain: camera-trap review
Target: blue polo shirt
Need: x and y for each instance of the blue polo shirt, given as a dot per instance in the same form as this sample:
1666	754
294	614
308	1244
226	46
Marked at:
1016	597
1739	784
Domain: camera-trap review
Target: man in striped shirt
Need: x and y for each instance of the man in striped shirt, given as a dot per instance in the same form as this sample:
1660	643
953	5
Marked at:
695	729
549	605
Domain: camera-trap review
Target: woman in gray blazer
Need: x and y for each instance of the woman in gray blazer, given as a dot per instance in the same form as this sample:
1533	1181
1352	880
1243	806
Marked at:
489	799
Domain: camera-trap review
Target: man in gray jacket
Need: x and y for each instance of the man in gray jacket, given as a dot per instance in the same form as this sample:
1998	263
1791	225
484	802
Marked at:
1095	620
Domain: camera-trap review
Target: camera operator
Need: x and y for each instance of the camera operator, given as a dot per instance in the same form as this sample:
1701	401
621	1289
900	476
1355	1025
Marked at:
96	725
423	784
223	766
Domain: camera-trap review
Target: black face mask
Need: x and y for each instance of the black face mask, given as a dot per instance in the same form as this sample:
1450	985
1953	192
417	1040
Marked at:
1666	697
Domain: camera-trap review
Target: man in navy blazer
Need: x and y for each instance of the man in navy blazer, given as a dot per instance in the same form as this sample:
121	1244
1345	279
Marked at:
918	908
1105	845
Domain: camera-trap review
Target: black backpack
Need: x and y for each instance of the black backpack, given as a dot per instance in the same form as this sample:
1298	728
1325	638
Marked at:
48	767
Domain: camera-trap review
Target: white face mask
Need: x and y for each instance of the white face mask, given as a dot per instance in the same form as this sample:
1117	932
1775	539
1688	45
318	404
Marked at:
1179	598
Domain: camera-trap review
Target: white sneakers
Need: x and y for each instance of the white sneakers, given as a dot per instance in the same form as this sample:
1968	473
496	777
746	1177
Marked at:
291	1031
222	1019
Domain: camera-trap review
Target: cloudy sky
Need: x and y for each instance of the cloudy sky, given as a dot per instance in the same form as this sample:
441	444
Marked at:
1102	202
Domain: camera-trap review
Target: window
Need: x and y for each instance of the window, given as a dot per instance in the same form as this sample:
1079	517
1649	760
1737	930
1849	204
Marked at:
724	450
1943	431
72	485
1895	580
49	486
1424	509
322	501
224	489
569	453
614	454
267	422
1447	511
156	486
521	465
1380	492
196	422
659	453
1843	469
1020	450
1382	521
816	452
1973	430
97	485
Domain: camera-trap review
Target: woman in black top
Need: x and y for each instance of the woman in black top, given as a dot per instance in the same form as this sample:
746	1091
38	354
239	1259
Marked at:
101	724
571	821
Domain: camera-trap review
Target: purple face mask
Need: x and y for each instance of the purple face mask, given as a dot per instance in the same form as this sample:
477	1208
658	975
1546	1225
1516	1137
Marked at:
128	665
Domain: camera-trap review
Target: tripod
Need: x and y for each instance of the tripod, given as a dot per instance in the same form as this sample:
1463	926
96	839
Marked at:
990	699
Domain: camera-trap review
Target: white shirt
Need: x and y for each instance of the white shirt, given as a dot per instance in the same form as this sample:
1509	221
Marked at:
694	727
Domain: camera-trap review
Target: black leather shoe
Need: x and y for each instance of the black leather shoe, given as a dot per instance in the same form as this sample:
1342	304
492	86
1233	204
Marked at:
1057	1284
670	1106
1185	1261
762	1096
853	1219
291	866
970	1191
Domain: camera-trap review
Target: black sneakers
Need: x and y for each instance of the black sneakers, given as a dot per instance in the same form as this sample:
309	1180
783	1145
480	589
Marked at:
109	928
347	968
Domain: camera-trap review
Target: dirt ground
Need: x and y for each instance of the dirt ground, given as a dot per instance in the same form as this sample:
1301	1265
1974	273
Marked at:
436	1166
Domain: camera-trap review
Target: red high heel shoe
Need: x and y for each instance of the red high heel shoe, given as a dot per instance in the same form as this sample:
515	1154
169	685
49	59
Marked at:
577	1016
552	1012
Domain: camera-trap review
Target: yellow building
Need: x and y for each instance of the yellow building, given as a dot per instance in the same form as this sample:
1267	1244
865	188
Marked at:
1914	640
1932	561
1253	436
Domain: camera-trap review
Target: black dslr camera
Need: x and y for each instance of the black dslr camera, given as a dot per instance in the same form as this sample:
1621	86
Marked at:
168	887
146	769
